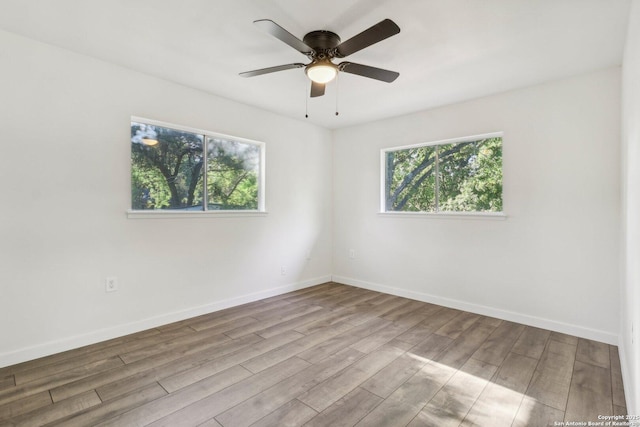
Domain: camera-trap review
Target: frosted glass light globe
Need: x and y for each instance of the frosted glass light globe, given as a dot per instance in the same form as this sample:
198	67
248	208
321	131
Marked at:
322	72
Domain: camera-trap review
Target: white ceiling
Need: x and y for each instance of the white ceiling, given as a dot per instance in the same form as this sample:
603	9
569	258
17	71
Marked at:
447	50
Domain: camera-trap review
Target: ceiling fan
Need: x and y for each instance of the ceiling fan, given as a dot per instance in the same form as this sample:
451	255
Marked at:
322	46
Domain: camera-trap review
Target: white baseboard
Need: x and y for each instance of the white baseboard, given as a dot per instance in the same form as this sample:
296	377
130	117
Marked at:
69	343
630	391
579	331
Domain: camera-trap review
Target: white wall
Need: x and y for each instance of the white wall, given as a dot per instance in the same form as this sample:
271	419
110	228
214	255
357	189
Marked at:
552	263
630	342
64	169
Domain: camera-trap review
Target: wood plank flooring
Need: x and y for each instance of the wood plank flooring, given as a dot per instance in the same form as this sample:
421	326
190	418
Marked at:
329	355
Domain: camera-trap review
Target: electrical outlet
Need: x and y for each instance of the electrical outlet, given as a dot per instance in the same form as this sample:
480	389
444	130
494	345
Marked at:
283	271
352	253
111	284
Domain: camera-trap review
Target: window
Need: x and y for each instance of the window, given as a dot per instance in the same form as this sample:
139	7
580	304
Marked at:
180	169
461	175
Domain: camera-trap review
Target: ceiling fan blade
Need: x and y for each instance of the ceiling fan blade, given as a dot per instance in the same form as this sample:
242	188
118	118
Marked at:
283	35
317	89
270	70
368	71
380	31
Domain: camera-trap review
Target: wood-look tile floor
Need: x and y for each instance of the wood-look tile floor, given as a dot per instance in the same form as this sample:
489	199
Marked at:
330	355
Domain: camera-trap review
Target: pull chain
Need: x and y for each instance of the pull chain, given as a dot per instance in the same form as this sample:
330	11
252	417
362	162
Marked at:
337	92
306	103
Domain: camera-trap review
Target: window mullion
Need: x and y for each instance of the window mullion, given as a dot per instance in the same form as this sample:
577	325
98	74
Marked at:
205	166
437	179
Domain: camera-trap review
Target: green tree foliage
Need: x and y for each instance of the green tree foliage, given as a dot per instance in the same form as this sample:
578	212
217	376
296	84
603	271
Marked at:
465	176
149	188
232	175
169	174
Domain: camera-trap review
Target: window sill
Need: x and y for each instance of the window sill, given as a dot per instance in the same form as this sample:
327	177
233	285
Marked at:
491	216
193	214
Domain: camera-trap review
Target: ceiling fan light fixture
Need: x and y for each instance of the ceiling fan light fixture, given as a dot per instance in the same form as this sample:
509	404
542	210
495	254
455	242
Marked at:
322	71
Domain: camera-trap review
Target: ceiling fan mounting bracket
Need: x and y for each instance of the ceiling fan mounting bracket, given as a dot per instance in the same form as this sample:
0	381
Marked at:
321	40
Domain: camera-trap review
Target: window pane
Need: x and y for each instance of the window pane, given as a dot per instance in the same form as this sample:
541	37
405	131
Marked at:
470	176
166	168
233	169
410	180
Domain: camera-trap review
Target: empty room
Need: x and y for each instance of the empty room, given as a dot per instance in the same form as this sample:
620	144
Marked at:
305	213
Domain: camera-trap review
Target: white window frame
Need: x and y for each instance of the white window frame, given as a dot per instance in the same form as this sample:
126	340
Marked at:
438	214
175	213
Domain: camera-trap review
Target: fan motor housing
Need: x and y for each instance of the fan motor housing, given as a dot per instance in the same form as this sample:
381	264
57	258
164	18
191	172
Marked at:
321	40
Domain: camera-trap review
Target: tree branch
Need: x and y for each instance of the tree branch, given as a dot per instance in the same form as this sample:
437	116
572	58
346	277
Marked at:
235	185
194	182
408	178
